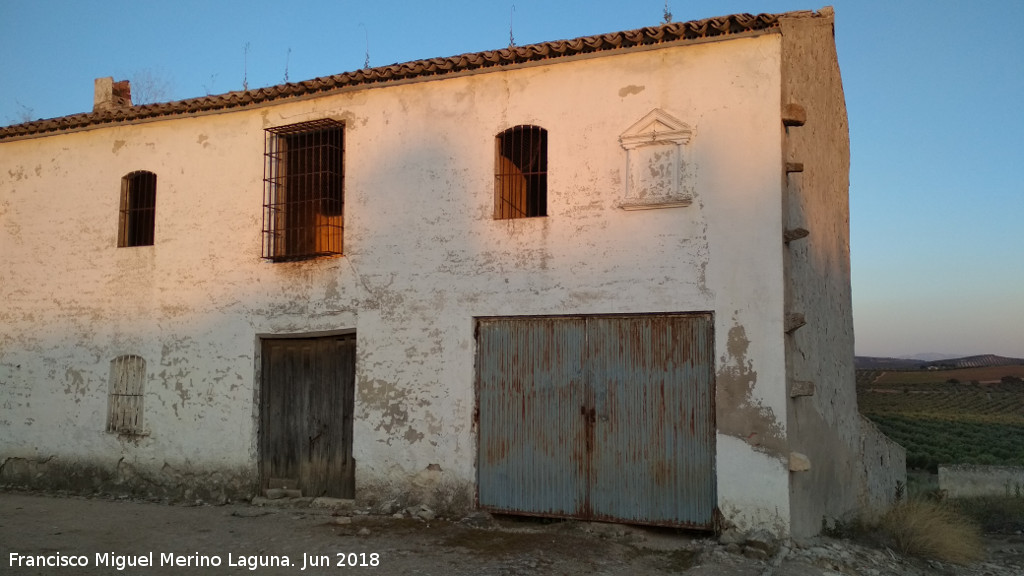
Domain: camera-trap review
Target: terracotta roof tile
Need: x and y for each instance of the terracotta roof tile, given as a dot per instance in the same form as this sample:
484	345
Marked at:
666	33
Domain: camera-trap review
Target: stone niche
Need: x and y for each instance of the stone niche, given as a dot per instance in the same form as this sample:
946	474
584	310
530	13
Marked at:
657	162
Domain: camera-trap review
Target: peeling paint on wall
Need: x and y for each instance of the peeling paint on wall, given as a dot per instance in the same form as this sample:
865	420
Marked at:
387	404
75	385
738	413
413	436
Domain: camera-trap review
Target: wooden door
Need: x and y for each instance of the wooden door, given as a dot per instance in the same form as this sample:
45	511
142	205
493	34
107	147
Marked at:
306	415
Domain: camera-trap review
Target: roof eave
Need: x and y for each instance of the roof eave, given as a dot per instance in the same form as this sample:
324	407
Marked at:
709	29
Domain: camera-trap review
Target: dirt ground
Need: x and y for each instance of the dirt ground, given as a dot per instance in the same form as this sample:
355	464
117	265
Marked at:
149	538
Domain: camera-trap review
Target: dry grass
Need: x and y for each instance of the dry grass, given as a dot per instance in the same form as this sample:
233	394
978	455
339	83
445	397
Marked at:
933	530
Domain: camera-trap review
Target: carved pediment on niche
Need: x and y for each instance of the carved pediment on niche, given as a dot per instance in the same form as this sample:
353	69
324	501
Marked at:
657	127
658	171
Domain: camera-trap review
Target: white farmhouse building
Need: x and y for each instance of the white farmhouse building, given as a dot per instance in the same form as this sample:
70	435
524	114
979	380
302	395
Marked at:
600	278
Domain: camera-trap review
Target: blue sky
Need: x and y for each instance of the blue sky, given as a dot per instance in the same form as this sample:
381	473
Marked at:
934	90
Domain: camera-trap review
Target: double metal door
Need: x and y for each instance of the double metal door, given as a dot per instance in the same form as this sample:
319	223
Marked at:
598	417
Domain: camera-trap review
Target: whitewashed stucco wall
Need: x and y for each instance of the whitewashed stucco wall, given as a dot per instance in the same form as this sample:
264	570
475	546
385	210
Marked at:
423	258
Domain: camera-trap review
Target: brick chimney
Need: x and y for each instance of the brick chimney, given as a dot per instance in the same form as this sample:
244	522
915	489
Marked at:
110	95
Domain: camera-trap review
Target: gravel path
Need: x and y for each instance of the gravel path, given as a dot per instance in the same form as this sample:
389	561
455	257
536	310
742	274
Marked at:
154	538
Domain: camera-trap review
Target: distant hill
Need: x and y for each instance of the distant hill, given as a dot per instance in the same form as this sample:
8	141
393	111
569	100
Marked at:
881	363
975	362
878	363
931	356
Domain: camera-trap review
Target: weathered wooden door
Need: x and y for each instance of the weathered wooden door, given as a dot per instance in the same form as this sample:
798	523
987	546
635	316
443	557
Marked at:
306	415
598	417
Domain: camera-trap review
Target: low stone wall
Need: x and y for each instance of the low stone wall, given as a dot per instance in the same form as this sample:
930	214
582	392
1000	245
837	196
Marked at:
884	478
966	480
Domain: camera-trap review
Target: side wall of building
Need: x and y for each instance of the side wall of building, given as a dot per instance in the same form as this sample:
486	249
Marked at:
884	471
423	258
823	419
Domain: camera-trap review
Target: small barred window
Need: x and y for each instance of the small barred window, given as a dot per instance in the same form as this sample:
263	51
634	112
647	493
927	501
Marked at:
521	173
138	209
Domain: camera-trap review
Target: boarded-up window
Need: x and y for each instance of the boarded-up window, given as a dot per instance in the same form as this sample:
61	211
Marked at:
303	211
138	209
521	173
124	408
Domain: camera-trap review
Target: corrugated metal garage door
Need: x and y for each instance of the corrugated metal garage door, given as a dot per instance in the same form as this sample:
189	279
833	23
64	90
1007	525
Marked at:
598	417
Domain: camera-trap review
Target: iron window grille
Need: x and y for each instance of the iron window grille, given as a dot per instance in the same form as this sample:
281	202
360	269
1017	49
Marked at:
304	181
521	173
138	209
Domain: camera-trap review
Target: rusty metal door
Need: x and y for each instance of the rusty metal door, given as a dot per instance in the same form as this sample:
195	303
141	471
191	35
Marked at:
598	417
531	391
306	415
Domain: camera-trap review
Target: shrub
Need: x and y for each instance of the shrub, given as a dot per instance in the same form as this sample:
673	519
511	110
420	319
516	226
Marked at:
996	514
932	530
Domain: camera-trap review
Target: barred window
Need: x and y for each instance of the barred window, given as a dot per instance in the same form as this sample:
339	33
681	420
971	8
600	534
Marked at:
521	173
124	405
138	209
304	181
